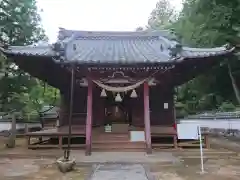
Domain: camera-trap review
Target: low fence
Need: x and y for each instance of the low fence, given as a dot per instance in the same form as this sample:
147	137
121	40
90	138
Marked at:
17	123
216	115
220	127
6	126
214	123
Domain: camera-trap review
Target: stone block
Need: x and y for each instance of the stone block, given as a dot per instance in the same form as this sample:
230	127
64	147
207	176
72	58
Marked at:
65	165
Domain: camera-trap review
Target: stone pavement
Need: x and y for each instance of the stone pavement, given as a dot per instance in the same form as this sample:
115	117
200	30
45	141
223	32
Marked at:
119	172
124	157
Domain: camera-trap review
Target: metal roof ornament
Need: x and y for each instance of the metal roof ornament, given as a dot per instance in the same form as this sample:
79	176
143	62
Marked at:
61	34
59	49
228	46
175	50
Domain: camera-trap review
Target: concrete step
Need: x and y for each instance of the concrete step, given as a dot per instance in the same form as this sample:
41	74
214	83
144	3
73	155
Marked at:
118	145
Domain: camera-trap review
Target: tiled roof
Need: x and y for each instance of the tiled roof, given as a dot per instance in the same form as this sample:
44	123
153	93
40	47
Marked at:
116	50
129	47
204	52
40	50
117	47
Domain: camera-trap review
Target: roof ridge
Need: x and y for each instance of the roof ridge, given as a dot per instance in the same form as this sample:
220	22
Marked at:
65	33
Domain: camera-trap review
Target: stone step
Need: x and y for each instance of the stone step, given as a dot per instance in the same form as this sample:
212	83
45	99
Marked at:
111	137
110	134
118	145
119	150
116	139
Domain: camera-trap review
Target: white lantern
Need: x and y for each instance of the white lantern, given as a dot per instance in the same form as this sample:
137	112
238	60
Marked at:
118	98
133	94
103	93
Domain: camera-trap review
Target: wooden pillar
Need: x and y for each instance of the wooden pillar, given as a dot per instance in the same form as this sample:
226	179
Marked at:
89	119
67	152
63	109
175	137
147	118
60	142
206	141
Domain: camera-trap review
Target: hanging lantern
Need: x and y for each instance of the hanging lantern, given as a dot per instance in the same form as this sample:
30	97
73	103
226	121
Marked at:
118	98
103	93
133	94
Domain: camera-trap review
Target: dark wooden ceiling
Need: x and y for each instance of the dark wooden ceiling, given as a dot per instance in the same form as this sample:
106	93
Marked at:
59	75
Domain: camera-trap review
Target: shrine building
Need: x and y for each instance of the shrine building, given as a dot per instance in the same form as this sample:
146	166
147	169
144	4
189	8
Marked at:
116	87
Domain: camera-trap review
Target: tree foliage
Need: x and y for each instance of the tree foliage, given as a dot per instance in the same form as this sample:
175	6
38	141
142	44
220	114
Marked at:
204	23
162	16
20	24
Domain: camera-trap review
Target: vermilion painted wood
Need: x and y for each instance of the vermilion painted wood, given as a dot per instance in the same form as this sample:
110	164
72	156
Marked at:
147	118
89	118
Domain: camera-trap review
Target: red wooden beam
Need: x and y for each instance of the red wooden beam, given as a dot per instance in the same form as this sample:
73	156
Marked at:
147	118
89	119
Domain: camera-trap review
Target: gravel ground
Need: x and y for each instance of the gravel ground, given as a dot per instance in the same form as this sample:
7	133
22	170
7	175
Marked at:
38	169
188	169
219	165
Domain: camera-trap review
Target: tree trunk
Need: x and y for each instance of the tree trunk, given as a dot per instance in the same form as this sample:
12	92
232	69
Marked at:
234	85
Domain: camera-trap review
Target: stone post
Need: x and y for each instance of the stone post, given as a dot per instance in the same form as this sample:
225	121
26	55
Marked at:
27	137
12	137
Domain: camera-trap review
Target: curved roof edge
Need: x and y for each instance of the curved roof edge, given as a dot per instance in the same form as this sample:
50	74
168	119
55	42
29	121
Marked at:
188	52
47	51
40	50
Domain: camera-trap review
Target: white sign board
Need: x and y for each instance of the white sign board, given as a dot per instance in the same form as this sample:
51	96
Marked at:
187	131
191	131
165	105
108	128
137	136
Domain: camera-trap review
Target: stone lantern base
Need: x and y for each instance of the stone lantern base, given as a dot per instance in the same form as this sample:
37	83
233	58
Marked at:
65	165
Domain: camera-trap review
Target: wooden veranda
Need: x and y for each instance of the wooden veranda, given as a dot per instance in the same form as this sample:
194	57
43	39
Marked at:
162	137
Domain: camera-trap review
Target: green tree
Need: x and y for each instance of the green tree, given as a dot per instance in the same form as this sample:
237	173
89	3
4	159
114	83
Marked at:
221	25
20	24
162	16
204	23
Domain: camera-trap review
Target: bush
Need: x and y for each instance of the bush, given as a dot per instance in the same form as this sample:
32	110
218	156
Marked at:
227	106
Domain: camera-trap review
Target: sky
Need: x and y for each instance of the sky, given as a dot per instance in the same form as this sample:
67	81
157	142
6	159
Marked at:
96	15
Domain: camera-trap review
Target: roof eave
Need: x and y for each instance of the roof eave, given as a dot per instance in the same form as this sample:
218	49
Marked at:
208	54
27	55
9	53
